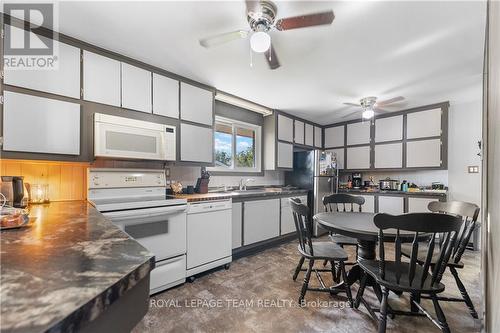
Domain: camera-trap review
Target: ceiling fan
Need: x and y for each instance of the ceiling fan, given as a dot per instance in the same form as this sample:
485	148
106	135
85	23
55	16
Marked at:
261	16
370	106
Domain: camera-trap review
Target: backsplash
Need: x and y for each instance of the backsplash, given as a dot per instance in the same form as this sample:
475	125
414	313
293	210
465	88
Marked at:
188	175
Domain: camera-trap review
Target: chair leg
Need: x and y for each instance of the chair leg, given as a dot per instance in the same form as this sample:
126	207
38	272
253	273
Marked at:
440	315
346	285
383	311
325	262
334	273
464	293
414	297
306	282
361	290
299	267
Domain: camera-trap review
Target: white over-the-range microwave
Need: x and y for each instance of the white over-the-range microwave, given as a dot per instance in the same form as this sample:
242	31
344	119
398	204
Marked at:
119	137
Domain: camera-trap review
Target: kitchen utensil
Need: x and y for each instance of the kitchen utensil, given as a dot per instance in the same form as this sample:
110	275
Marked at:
389	184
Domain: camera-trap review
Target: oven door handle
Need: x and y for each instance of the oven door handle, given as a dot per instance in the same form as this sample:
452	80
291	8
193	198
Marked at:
128	215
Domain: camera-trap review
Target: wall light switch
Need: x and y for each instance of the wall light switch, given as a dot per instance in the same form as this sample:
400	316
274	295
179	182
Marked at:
167	172
473	169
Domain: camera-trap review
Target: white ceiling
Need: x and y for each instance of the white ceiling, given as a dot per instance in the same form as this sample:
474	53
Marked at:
426	51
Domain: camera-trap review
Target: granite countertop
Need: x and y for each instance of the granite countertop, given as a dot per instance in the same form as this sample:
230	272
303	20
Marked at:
420	193
66	269
251	193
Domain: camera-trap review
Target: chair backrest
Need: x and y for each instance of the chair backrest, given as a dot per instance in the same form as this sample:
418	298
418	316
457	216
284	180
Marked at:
419	225
339	202
303	224
468	212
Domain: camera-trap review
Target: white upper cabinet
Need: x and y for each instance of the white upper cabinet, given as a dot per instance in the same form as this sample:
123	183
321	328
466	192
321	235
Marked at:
389	129
101	79
358	133
285	155
424	153
285	128
299	132
40	125
358	158
64	81
318	137
389	155
309	139
196	143
334	136
423	124
196	104
136	88
165	96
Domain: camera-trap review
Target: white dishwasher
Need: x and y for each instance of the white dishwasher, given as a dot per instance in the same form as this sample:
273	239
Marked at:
209	236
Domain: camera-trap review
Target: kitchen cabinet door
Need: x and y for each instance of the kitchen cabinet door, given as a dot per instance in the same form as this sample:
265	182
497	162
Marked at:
165	96
419	205
287	224
101	79
334	136
389	129
197	104
237	220
369	205
285	128
423	124
40	125
358	133
262	219
285	155
340	153
136	88
389	156
318	137
309	139
64	81
358	158
196	143
390	205
425	153
299	132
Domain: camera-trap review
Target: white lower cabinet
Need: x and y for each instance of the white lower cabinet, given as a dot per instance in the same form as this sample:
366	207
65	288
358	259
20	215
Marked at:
237	219
261	219
287	222
390	205
369	205
419	205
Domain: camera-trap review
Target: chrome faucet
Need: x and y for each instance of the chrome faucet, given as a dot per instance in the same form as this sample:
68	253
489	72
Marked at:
244	182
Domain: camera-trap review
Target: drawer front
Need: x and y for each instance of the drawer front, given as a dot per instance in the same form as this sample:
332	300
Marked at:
168	271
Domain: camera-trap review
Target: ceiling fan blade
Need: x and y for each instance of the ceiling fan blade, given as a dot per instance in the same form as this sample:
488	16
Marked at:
304	21
379	110
253	7
352	104
272	58
391	100
223	38
350	114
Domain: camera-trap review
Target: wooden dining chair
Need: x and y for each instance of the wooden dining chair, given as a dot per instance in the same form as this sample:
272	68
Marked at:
342	202
412	277
469	213
313	251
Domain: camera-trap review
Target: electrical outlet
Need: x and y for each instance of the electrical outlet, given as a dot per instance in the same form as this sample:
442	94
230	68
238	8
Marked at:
473	169
167	172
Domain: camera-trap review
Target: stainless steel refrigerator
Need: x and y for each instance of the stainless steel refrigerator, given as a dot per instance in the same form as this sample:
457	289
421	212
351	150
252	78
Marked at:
306	174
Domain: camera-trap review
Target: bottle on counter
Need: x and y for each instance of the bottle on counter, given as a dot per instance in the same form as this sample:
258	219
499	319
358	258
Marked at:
349	182
404	186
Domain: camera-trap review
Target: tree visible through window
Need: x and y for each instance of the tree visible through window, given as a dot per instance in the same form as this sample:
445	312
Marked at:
235	146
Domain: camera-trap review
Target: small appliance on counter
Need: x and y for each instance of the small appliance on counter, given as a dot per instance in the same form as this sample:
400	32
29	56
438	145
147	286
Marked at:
389	184
13	189
357	180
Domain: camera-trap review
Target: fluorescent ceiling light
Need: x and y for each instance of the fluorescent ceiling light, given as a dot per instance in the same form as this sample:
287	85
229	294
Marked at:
219	96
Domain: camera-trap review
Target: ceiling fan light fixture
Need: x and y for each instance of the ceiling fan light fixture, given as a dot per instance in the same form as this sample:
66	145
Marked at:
260	41
368	114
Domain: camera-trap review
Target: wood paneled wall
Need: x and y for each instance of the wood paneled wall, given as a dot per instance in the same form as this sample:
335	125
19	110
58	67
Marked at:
67	180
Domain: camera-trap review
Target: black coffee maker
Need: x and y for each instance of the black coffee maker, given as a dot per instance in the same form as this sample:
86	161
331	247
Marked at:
13	190
357	180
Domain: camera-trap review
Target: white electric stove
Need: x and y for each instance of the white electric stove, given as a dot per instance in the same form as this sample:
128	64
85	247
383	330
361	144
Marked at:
135	201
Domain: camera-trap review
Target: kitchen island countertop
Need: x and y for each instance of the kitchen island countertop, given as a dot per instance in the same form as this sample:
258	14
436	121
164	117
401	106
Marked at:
66	269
